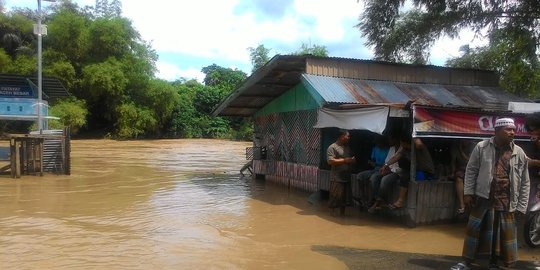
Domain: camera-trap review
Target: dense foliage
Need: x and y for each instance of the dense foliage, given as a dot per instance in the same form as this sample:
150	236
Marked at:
399	33
110	72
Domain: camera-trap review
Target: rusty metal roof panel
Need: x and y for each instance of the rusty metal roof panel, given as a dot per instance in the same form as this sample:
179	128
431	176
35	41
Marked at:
355	91
437	95
388	92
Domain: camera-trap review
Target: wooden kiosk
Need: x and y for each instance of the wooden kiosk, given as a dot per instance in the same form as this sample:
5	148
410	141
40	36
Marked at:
285	99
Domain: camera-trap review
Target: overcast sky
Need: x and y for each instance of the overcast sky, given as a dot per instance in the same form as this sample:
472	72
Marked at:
189	35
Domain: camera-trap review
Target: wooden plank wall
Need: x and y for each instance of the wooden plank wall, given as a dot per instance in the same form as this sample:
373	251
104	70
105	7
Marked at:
372	70
436	201
291	175
324	180
265	167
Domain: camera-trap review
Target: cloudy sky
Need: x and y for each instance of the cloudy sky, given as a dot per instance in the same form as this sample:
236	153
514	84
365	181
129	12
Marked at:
189	35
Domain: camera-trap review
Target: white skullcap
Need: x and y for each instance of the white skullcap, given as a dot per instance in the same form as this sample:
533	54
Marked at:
505	122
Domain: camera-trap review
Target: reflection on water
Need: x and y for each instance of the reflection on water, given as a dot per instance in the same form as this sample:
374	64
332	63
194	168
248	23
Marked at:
174	204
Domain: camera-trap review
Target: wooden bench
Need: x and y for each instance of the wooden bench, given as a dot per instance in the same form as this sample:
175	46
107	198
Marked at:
427	201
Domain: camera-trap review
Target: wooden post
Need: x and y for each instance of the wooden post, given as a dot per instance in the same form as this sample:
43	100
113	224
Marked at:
35	155
22	152
67	151
17	159
40	155
12	157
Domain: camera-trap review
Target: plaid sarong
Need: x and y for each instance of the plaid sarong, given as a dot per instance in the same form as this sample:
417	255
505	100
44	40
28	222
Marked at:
491	233
338	194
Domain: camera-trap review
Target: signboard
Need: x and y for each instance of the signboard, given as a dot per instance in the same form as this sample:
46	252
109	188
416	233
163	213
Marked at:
16	91
431	122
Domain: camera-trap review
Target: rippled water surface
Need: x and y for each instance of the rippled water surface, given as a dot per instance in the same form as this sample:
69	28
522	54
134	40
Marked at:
180	204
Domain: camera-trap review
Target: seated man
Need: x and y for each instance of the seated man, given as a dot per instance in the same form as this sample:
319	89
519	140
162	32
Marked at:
387	176
424	166
379	152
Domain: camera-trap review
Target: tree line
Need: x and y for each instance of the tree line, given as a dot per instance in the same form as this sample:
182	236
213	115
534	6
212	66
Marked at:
109	70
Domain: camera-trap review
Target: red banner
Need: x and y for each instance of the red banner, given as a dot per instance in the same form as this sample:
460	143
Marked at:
430	121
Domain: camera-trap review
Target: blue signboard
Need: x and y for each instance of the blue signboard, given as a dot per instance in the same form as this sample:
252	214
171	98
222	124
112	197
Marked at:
16	91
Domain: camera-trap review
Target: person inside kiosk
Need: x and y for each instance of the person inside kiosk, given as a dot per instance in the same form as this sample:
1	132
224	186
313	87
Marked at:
425	170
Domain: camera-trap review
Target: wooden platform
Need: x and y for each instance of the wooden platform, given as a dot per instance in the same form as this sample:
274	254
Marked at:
26	153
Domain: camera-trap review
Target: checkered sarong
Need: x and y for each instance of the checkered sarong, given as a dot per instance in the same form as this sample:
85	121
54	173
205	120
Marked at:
491	233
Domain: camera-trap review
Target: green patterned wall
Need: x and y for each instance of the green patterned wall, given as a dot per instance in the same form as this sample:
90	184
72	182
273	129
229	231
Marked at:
290	136
297	98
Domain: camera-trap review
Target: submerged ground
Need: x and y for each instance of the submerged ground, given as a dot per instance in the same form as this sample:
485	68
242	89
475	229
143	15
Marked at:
181	204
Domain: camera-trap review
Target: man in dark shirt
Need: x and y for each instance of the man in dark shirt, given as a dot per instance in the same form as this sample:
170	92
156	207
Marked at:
339	158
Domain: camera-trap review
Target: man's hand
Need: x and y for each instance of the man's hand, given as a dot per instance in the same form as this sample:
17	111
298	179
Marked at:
469	201
384	170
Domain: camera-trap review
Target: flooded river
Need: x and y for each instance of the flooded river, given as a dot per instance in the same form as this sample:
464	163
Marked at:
181	204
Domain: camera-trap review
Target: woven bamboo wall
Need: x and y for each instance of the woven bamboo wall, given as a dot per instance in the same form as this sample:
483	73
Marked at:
293	149
290	136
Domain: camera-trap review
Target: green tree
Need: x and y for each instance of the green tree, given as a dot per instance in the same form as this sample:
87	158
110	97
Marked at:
259	56
103	86
68	35
315	50
226	79
111	37
104	79
507	54
220	83
57	65
5	61
107	9
161	97
72	113
400	35
16	35
184	116
24	65
134	121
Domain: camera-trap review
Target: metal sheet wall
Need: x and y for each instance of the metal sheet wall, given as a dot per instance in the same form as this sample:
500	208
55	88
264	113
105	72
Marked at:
296	99
372	70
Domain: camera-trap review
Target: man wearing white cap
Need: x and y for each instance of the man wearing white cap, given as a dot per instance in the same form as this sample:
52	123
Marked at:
496	190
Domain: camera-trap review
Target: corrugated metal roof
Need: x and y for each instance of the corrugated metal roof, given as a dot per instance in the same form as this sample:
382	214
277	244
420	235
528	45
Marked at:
278	76
353	91
353	81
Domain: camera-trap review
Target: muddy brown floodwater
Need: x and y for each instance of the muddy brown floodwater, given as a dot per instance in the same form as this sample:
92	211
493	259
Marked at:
181	204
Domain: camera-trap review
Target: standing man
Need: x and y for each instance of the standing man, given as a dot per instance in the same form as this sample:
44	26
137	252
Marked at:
340	159
496	188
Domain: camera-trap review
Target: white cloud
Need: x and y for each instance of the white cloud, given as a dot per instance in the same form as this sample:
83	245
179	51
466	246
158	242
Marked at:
171	72
447	47
212	29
